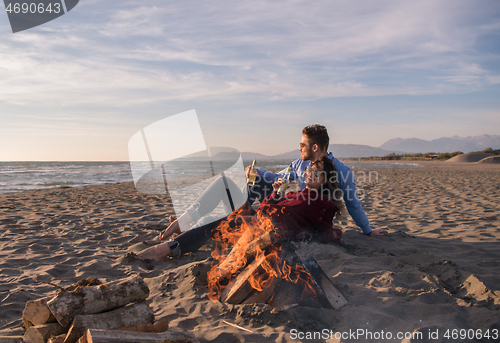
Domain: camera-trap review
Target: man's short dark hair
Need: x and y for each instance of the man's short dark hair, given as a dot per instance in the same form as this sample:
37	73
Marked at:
317	134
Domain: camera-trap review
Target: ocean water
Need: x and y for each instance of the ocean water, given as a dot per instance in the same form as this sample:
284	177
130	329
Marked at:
26	176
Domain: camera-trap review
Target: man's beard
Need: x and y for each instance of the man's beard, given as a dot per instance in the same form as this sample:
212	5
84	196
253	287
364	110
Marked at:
305	156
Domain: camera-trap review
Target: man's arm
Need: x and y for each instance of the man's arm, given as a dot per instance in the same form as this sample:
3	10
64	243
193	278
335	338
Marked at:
348	186
263	184
268	176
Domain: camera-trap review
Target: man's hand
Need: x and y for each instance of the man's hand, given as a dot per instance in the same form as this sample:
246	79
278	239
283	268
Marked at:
378	232
247	171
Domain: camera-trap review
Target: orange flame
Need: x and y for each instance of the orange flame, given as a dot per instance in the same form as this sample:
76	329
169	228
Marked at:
243	233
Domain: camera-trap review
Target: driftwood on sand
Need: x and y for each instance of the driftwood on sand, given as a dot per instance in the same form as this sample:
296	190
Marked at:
159	326
57	339
126	316
95	299
36	312
118	336
41	333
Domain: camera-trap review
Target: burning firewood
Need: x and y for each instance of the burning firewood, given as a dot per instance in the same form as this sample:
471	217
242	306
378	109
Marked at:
277	278
267	292
242	287
262	266
277	275
261	243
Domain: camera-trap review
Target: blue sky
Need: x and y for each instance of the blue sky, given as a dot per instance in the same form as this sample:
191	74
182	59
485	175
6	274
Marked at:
79	87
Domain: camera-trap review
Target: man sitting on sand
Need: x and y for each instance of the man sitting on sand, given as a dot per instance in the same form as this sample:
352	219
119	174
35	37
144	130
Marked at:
313	146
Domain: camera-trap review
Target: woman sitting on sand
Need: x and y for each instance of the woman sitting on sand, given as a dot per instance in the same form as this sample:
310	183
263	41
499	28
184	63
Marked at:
296	216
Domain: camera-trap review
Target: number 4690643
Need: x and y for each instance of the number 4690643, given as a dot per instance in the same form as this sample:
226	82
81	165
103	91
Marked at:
33	8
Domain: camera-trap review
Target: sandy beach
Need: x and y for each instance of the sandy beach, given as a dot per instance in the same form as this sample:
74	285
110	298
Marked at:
437	270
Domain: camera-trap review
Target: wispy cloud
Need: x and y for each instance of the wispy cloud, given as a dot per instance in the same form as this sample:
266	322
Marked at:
129	52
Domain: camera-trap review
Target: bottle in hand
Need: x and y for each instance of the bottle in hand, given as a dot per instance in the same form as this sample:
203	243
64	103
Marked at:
252	174
286	181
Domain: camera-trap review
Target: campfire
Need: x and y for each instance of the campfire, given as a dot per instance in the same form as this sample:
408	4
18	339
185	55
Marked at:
254	263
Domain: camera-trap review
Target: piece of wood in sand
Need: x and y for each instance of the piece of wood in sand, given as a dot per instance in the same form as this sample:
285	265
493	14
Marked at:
159	326
262	242
241	288
287	294
95	299
36	312
263	296
130	315
41	333
57	339
118	336
328	293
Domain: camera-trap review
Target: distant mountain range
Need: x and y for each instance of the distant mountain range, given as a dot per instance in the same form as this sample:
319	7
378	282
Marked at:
398	146
338	150
465	145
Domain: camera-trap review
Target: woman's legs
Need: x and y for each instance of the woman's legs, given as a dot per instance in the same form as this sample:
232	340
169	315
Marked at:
187	242
212	196
193	239
157	252
207	202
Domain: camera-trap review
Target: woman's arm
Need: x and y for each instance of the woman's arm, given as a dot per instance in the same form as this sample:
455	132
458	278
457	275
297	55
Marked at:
274	197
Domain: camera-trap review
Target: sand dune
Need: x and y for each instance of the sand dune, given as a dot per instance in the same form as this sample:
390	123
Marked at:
437	269
490	159
468	158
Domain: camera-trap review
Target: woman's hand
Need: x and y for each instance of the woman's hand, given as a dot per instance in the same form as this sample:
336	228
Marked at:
277	184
